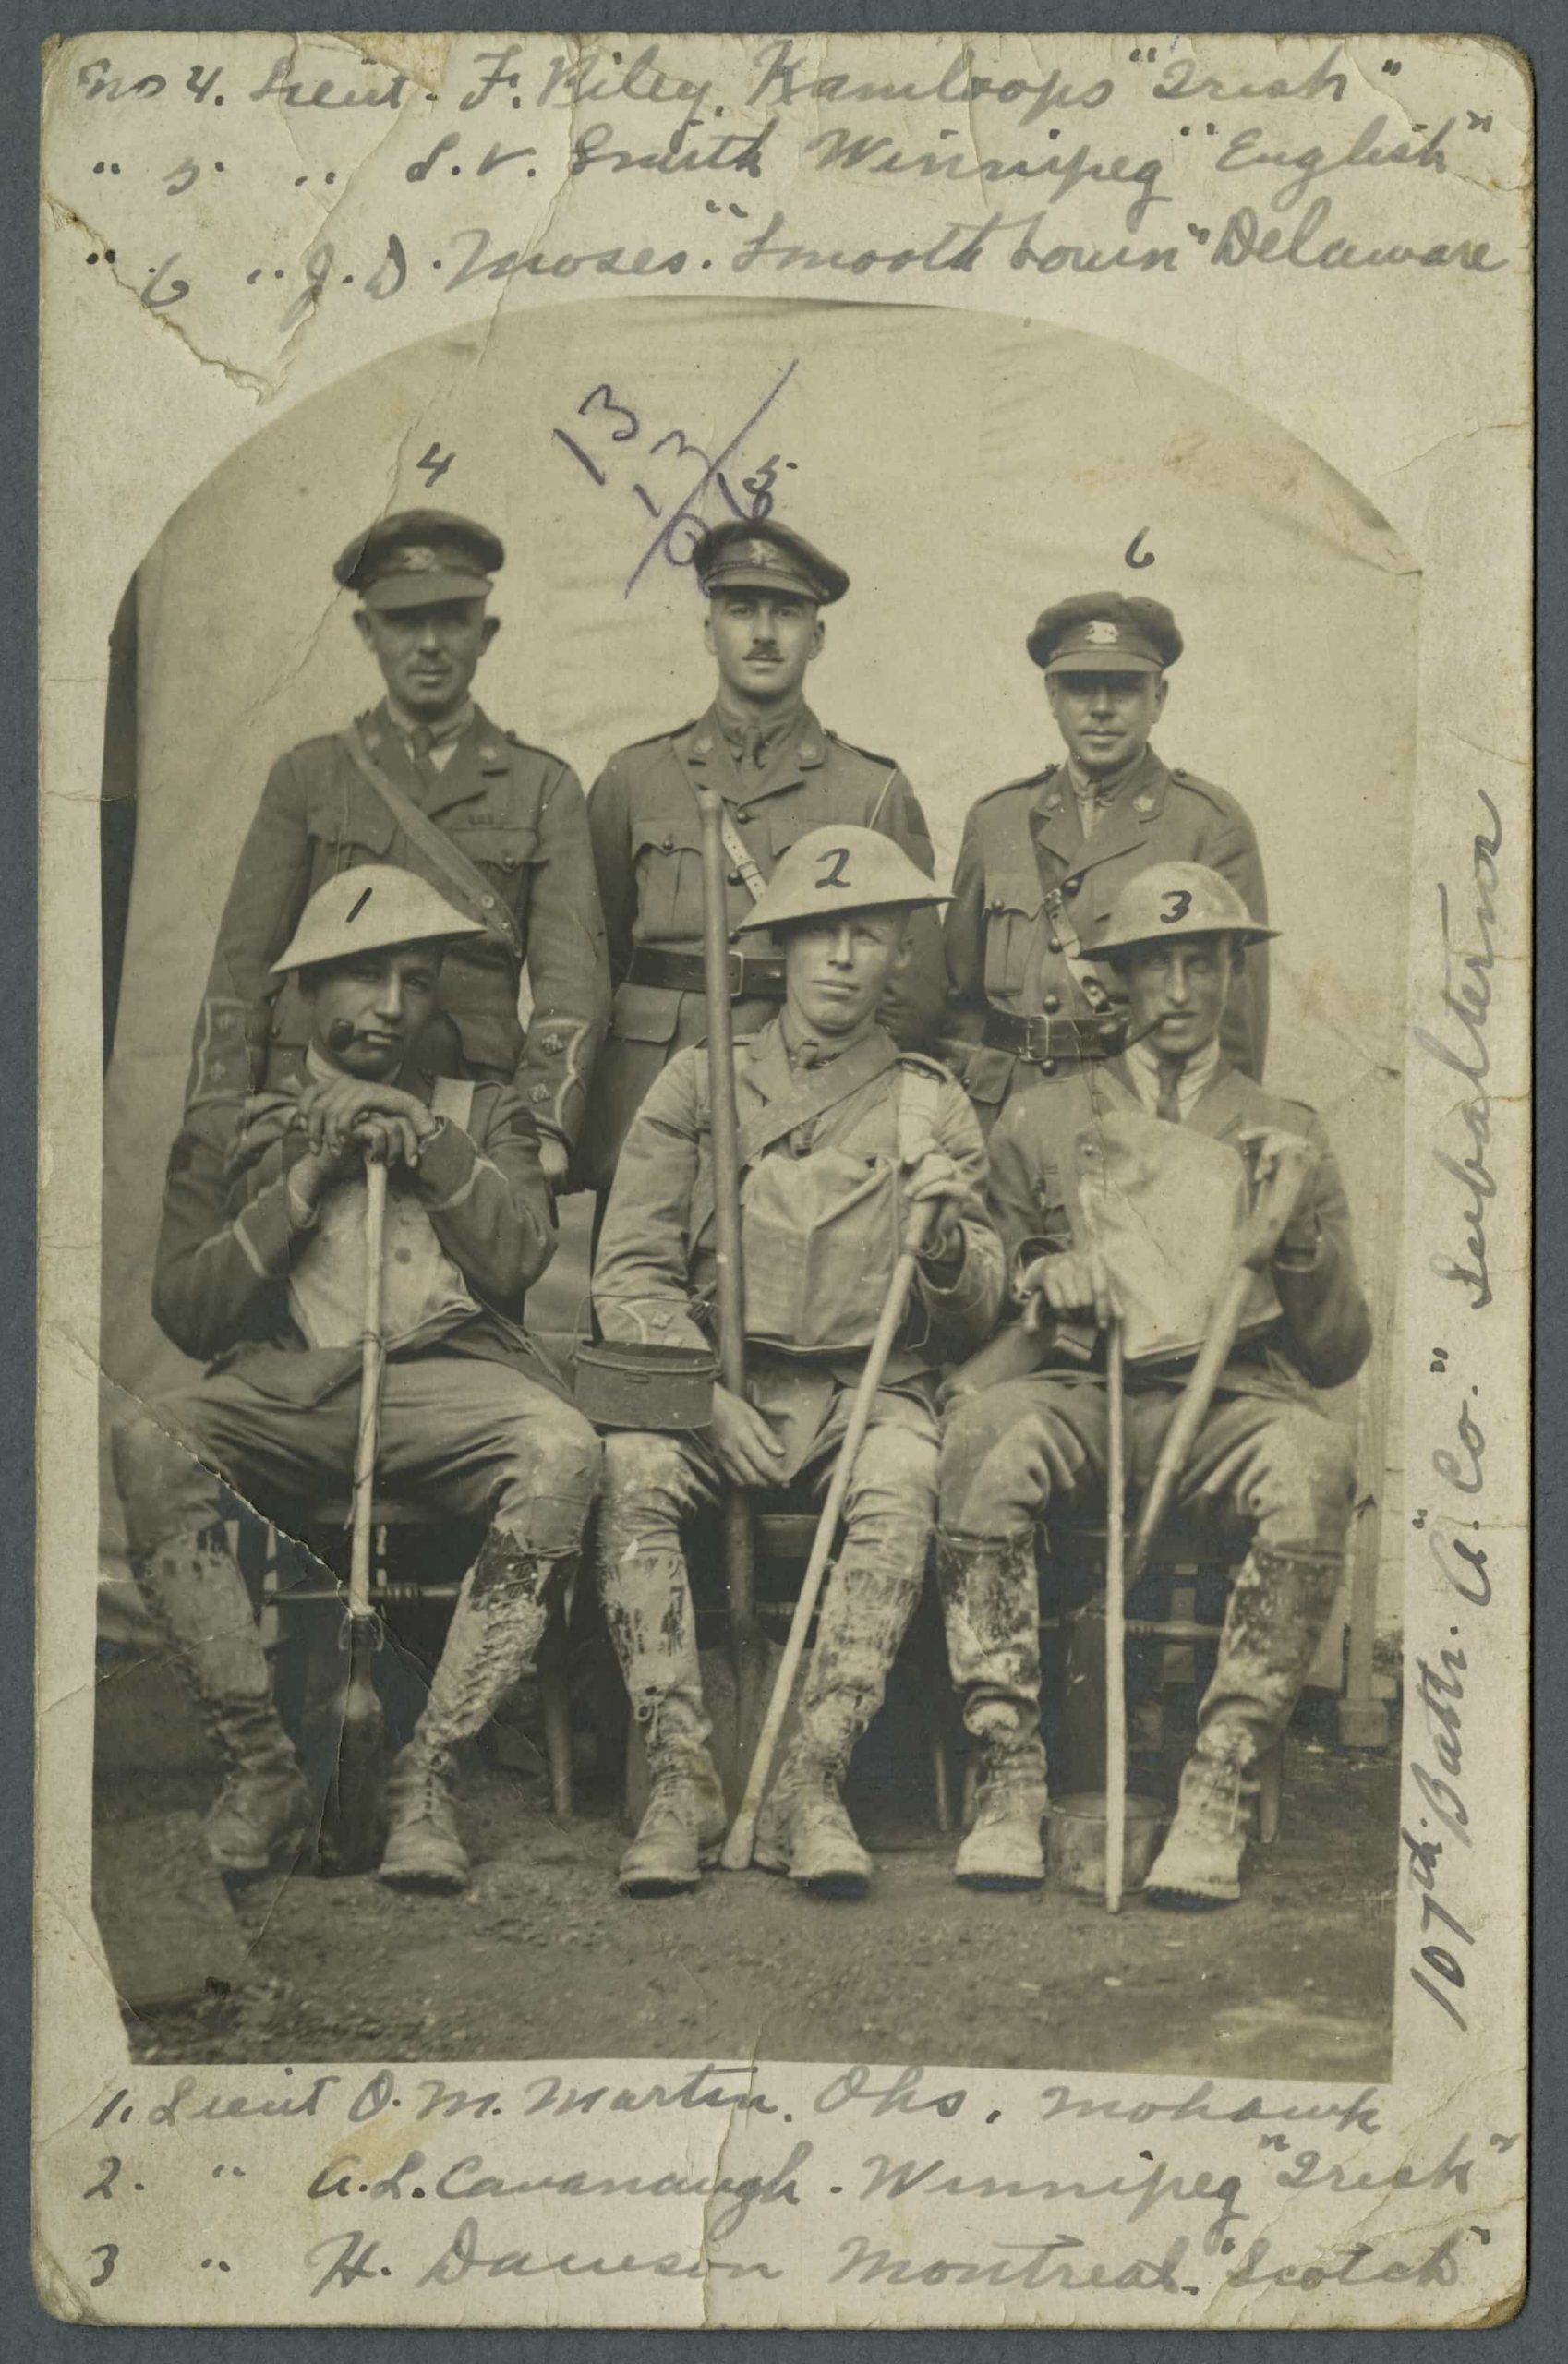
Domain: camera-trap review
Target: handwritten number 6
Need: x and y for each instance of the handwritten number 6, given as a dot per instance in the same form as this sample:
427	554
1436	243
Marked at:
108	2170
1182	899
109	2251
838	856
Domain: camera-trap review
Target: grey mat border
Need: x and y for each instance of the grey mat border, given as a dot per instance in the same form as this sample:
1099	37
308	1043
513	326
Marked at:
1540	29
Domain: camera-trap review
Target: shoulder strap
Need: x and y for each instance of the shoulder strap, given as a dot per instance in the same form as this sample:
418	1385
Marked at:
741	856
473	890
453	1098
920	1093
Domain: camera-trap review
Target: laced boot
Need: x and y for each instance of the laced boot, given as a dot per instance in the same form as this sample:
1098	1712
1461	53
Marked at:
990	1605
826	1857
496	1628
1003	1850
1274	1619
682	1827
869	1601
264	1816
1199	1864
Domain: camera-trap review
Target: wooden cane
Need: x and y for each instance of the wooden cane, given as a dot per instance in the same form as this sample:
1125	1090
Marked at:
746	1645
1116	1622
355	1797
741	1836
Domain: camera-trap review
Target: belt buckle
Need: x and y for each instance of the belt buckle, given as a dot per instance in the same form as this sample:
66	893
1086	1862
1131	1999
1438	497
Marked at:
737	974
1037	1046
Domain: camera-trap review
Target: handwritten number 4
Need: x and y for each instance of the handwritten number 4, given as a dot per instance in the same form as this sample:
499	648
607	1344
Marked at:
435	464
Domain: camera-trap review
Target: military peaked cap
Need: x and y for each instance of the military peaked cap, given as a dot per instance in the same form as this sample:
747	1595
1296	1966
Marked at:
1099	631
418	558
758	554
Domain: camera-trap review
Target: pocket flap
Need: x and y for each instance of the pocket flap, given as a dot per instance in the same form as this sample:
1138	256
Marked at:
645	1013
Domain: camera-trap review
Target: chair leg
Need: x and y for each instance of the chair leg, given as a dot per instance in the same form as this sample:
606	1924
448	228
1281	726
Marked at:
555	1708
940	1783
1271	1770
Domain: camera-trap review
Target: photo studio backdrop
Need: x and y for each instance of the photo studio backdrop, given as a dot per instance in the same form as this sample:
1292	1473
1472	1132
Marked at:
967	470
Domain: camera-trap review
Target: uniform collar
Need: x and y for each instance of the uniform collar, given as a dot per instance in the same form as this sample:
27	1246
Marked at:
451	727
798	749
478	749
1196	1077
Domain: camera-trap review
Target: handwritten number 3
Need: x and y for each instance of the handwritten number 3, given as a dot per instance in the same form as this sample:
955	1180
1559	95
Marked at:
838	856
109	2251
1182	899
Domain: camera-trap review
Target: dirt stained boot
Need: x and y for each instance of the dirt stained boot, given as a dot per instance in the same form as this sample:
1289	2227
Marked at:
648	1608
264	1815
866	1612
1273	1621
989	1594
500	1615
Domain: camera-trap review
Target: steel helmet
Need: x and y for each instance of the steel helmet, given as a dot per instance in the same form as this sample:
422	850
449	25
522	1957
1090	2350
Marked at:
1176	898
832	870
366	909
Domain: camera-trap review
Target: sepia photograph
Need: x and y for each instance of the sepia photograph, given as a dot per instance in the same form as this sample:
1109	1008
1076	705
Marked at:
751	1212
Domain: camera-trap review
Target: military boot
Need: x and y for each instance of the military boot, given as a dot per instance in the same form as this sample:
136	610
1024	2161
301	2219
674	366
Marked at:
990	1605
647	1605
1273	1621
264	1813
868	1603
500	1615
683	1824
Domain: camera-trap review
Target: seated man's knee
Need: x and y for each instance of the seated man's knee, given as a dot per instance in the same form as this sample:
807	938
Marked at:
163	1486
549	1488
1309	1471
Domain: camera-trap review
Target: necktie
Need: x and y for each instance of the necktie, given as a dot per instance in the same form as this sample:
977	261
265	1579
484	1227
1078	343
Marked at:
421	738
1168	1105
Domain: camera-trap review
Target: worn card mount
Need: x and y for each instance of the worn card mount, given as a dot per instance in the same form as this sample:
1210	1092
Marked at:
1235	325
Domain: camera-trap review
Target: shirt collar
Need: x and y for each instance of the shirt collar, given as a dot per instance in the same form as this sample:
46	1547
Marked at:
451	727
1143	1063
749	739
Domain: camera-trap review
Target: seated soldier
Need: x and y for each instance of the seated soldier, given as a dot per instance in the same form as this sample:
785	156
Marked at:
1176	936
838	1134
262	1263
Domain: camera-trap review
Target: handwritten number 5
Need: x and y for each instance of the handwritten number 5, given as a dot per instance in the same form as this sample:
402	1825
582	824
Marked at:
103	2189
1182	899
109	2251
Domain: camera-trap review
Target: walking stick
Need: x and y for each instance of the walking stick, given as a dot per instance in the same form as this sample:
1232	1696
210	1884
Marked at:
354	1800
746	1645
742	1830
1116	1623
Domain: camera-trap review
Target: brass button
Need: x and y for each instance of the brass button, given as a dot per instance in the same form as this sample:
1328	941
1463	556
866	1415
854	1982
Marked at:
1054	943
1071	885
487	903
1047	1066
1051	1004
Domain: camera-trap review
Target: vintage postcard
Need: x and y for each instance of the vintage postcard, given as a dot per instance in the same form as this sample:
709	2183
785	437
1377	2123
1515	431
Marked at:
784	1180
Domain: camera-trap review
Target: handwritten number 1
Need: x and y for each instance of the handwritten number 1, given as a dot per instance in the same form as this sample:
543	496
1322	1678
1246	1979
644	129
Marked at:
578	454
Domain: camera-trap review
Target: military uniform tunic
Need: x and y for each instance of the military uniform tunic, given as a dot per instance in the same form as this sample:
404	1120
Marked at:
647	851
1023	846
519	815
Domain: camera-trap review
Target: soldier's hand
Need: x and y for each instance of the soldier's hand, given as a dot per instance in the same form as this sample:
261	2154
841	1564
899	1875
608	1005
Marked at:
743	1445
553	1159
310	1176
935	1180
1074	1284
331	1111
1282	1166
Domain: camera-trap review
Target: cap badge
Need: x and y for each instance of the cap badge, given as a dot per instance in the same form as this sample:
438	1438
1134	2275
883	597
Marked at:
415	558
1101	634
761	554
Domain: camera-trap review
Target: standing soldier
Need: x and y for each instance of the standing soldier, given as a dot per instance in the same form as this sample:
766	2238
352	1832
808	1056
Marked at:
1177	940
780	773
1043	858
428	783
838	1134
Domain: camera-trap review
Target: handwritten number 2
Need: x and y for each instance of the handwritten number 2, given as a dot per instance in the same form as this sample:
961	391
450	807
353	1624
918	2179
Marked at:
838	856
103	2190
109	2251
1182	899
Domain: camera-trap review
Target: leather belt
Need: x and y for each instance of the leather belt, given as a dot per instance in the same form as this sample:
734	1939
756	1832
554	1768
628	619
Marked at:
750	979
1044	1042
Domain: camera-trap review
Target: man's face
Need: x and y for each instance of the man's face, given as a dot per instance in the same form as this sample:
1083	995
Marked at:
835	971
428	655
1177	991
366	1011
762	641
1105	719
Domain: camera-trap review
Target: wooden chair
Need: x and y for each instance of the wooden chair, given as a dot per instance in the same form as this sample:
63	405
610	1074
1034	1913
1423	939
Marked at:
419	1556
